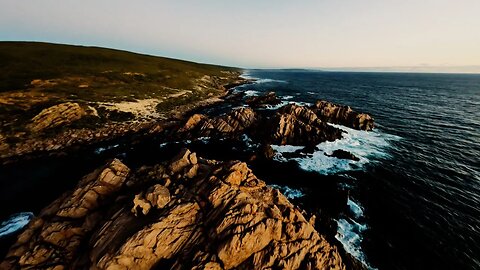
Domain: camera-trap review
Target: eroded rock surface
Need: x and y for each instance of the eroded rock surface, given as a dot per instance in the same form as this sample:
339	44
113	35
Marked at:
230	124
202	214
58	115
298	125
291	124
344	115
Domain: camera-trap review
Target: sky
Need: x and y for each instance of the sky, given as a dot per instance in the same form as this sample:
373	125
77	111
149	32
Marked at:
330	34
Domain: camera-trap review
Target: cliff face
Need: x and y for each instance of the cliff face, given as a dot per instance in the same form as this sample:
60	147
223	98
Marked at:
188	213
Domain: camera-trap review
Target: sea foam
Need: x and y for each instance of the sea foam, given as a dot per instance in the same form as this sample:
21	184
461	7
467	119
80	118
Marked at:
368	146
14	223
291	193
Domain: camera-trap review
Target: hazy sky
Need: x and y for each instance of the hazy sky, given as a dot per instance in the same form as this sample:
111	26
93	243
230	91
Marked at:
260	33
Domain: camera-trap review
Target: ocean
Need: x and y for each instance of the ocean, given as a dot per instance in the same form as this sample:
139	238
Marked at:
415	193
413	197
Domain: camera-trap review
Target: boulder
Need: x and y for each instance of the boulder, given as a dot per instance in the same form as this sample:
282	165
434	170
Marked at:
221	217
342	154
60	115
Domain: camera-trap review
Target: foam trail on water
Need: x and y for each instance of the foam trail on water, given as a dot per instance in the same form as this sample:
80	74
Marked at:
103	149
367	146
355	207
286	102
251	93
349	234
14	223
291	193
257	80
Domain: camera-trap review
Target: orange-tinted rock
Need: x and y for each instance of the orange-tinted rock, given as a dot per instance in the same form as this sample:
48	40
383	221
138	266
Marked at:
221	217
344	115
298	125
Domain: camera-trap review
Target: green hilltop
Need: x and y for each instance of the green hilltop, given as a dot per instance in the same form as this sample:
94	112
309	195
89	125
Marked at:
36	75
22	62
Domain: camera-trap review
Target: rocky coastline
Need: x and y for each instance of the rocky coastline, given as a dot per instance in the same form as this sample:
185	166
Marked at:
66	114
190	212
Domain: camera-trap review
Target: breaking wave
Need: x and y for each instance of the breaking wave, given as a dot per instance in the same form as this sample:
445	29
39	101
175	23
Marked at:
15	223
367	146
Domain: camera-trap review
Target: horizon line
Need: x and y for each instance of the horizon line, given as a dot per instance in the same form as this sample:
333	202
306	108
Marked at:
430	69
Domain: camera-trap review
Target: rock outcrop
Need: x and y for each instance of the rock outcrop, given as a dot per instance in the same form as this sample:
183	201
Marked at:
298	125
342	154
230	124
344	115
189	213
291	124
59	115
269	98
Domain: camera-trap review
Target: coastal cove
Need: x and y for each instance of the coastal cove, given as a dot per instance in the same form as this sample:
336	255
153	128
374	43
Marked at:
397	206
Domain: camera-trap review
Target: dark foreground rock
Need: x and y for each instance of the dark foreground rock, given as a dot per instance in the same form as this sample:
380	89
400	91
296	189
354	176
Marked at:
342	154
189	213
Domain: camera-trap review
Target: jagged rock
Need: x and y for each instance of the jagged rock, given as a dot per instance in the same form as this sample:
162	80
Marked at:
269	98
342	154
222	218
298	125
343	115
230	124
156	196
58	115
52	240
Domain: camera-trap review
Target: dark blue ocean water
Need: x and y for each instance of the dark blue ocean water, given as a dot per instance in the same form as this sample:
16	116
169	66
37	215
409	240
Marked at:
417	192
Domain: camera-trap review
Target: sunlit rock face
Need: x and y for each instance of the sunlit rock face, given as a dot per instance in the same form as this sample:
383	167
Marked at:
188	213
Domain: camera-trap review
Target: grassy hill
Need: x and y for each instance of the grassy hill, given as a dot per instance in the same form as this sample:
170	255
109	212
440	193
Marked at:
22	62
35	75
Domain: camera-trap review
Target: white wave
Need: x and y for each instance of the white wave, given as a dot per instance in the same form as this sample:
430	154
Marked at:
251	93
287	97
103	149
349	234
258	80
286	102
367	146
15	222
311	93
249	142
355	207
278	106
291	193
